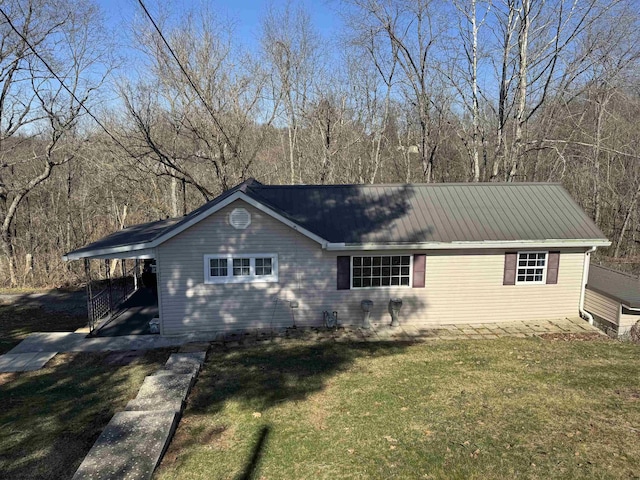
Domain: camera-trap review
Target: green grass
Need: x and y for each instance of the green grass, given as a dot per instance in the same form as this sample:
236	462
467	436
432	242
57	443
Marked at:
507	408
19	320
49	419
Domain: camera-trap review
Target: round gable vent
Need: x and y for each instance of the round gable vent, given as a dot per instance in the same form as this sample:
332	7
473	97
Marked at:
239	218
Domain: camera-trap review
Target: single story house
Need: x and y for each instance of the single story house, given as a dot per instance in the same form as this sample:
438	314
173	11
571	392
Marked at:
266	256
613	298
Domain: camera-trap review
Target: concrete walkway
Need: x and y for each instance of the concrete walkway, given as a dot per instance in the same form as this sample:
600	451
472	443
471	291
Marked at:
133	443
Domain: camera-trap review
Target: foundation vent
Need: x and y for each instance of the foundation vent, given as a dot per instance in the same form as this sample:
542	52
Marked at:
239	218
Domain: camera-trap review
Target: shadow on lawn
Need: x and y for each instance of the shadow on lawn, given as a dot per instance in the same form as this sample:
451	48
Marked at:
262	377
49	419
258	449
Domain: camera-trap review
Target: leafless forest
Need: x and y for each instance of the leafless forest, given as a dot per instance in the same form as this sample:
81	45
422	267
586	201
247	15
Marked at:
101	128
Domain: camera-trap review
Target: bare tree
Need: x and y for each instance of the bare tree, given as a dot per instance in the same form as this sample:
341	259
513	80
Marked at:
291	46
46	51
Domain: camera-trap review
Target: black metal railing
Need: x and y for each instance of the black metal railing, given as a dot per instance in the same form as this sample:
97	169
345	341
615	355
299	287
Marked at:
106	297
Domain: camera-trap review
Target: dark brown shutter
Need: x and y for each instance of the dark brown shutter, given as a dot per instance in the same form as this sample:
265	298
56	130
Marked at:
510	266
344	273
419	268
552	267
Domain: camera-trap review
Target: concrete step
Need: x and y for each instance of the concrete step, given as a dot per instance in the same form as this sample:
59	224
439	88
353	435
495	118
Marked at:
130	447
153	405
185	362
162	392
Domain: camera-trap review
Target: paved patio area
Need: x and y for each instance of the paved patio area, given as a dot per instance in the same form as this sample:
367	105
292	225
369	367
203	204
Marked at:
383	332
78	342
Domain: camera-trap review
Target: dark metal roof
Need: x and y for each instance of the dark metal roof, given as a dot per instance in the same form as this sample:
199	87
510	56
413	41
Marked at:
396	214
620	286
147	232
468	212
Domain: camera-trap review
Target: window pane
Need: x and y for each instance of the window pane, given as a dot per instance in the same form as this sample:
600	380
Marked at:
366	282
395	261
218	267
406	260
404	281
357	282
376	271
386	260
263	266
357	272
395	281
357	261
366	261
386	281
375	282
404	271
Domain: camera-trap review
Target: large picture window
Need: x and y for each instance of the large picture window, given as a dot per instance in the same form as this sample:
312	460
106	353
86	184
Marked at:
231	268
381	271
532	267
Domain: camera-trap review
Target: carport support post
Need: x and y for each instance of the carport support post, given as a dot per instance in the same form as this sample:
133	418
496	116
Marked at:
125	290
135	275
87	273
108	274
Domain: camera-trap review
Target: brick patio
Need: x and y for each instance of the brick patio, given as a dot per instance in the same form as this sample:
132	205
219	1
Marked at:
383	332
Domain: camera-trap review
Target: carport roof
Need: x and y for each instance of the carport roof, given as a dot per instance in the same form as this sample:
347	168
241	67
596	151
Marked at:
620	286
471	215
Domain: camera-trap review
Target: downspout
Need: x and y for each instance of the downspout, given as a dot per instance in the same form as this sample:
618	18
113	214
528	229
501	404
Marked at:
585	276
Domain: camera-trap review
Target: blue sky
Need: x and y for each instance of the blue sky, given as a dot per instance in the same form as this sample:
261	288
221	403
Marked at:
246	14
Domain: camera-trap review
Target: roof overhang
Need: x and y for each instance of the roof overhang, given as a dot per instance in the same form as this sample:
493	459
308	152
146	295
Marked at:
508	244
625	302
123	252
147	249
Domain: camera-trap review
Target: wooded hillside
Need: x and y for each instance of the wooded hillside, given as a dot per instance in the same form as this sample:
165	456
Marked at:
103	128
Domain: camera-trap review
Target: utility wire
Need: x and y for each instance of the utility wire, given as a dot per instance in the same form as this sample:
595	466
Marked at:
186	74
80	102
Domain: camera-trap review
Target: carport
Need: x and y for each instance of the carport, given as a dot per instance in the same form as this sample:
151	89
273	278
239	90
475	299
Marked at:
121	292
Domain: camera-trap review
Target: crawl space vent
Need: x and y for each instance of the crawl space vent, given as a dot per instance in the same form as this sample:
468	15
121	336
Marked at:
239	218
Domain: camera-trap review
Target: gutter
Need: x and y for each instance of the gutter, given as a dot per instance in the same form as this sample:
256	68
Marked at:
461	245
585	276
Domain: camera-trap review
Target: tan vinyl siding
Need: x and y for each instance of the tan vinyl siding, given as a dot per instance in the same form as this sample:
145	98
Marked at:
461	286
601	306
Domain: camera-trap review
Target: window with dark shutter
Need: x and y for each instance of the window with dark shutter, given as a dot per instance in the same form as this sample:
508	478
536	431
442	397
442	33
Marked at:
552	267
344	273
510	265
419	269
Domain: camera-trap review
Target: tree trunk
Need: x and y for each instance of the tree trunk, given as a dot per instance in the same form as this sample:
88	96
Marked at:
627	220
523	47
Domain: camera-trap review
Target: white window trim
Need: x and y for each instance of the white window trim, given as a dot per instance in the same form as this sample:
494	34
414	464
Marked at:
544	269
251	278
382	286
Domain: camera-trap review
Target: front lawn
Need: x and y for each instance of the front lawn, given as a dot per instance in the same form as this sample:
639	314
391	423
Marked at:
50	418
507	408
24	316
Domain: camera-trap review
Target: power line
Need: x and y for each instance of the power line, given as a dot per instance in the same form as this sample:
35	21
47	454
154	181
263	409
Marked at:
186	74
80	102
